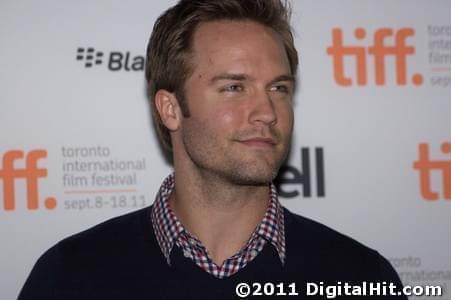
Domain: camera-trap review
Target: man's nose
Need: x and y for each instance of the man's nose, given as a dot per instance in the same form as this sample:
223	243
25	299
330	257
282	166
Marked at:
262	109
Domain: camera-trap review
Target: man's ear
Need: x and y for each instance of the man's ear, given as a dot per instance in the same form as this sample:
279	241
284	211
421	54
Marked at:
168	108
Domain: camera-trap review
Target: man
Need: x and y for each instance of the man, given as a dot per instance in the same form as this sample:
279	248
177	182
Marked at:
221	78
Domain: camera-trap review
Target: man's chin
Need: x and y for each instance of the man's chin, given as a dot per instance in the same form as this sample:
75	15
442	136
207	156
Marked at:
255	178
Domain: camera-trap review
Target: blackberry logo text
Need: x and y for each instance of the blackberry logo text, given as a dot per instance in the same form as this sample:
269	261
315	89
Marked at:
116	61
90	56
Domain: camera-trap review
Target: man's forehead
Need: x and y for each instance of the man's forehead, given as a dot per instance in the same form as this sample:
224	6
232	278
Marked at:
238	43
230	30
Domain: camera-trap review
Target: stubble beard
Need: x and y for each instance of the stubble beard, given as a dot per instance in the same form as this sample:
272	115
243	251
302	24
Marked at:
204	149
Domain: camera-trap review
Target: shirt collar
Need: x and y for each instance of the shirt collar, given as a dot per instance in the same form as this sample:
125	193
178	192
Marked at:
168	228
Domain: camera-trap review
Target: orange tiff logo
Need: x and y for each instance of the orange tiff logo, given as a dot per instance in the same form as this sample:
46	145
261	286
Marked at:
31	173
379	51
425	165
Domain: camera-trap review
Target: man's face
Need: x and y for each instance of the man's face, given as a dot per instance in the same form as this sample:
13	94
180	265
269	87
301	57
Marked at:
240	100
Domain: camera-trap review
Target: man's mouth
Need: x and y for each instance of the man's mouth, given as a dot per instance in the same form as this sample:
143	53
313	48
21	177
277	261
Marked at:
259	142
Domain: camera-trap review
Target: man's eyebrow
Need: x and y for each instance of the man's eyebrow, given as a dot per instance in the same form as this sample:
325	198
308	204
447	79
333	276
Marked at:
285	77
242	77
229	76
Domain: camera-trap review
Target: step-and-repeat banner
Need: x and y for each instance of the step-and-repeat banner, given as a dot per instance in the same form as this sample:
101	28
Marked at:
371	154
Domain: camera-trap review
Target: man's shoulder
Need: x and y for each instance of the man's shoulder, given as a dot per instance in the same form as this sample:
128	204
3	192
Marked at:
303	230
100	261
132	225
114	238
317	247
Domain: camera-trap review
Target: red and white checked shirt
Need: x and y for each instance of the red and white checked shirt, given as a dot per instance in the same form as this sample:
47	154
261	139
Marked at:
169	231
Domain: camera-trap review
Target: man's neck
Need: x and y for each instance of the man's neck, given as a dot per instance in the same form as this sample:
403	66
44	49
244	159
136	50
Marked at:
222	215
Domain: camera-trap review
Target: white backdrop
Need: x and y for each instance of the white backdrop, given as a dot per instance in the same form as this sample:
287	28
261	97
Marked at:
77	141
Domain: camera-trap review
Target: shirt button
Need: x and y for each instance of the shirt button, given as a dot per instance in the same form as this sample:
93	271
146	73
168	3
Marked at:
254	252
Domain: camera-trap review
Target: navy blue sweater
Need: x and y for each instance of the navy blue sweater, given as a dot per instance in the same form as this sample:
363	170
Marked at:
121	259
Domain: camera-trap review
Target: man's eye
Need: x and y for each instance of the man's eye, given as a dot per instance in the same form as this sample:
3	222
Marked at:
233	88
280	88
